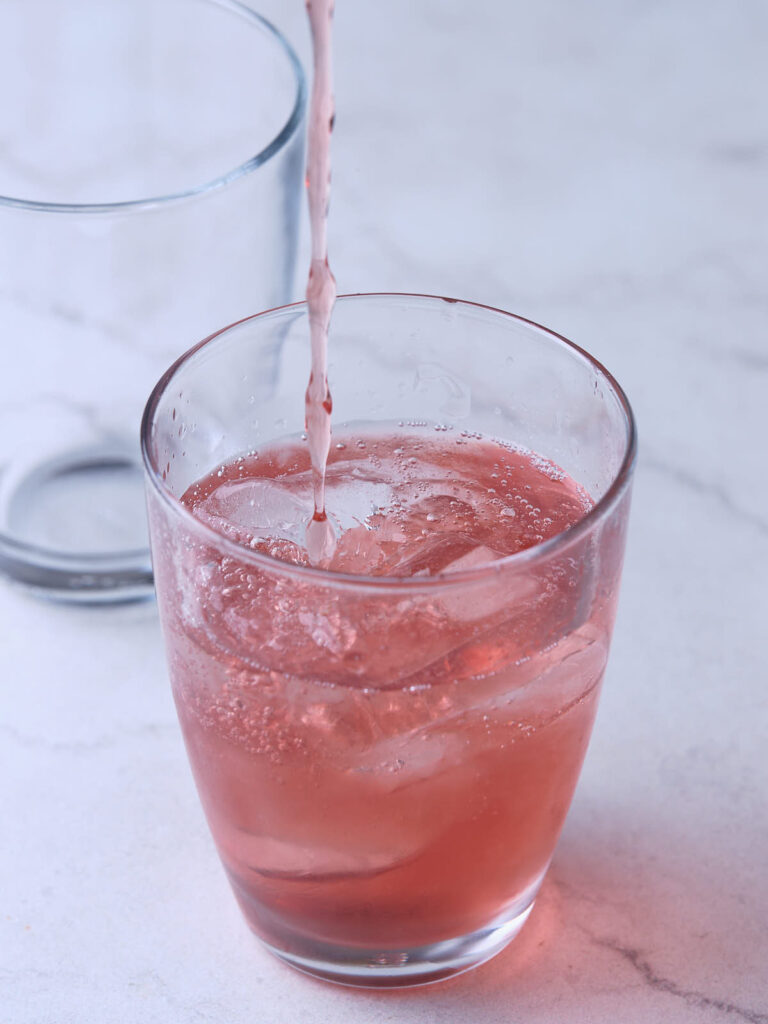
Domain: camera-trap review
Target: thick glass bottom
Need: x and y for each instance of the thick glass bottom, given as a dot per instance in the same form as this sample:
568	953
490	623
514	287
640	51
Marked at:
400	968
74	527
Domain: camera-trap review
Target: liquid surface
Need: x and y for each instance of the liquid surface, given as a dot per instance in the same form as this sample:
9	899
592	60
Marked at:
401	504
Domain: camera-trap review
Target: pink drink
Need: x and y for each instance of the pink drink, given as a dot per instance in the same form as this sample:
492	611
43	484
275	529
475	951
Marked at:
386	774
386	746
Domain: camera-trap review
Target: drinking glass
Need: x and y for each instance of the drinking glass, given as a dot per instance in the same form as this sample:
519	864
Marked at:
386	763
151	156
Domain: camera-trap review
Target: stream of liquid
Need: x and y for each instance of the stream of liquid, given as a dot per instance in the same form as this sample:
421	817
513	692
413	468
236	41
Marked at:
321	287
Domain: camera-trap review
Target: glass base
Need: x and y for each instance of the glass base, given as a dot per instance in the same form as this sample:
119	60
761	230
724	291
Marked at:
74	527
401	968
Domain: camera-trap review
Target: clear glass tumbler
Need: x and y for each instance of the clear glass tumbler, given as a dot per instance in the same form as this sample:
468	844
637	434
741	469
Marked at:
151	156
386	763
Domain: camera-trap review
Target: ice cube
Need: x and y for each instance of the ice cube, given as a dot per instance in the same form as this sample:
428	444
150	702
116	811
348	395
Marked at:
257	508
274	857
430	555
476	556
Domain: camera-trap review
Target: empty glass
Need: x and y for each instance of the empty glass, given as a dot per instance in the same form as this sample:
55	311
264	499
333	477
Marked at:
151	156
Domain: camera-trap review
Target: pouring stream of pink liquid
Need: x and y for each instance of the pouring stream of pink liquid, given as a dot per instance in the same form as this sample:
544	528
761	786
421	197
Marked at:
321	287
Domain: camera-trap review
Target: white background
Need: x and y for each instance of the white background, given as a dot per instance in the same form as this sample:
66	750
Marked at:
602	168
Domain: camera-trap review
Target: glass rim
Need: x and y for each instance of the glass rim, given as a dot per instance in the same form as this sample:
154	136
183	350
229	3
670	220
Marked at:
326	577
277	143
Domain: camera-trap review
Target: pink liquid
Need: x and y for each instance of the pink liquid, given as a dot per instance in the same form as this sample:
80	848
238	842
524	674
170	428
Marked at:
381	769
321	287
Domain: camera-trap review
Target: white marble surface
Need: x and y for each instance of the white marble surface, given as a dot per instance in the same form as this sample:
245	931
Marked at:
601	168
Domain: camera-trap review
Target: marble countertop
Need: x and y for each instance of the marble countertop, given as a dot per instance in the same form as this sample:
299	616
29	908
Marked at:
600	168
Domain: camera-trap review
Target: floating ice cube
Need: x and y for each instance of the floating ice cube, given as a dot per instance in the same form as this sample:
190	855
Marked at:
253	507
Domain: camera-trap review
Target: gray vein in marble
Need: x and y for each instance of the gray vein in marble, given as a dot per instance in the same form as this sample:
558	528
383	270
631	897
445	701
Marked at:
685	478
71	315
702	279
739	153
89	414
666	985
741	358
86	410
100	743
750	360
